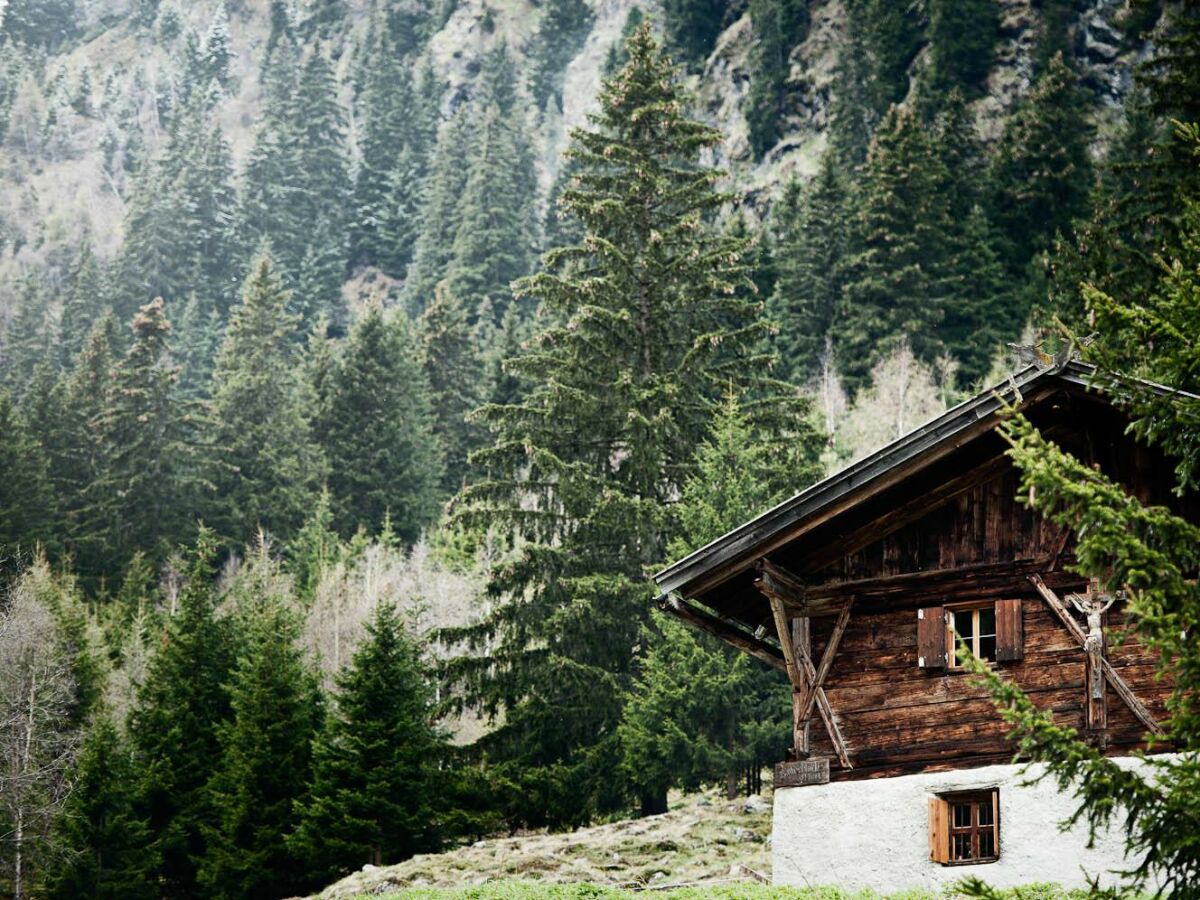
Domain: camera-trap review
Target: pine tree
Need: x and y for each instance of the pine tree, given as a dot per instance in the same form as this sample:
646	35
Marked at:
1041	174
149	471
561	32
82	302
24	492
29	337
265	756
692	27
647	331
962	38
806	303
376	792
851	114
699	711
893	33
314	548
455	370
376	427
441	211
106	851
494	243
777	26
271	469
175	723
898	247
196	345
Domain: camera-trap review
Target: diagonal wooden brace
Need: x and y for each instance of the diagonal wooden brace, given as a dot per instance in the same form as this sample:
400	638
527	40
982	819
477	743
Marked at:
1110	674
805	683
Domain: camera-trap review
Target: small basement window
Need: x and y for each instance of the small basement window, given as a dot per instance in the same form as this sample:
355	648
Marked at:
977	628
965	828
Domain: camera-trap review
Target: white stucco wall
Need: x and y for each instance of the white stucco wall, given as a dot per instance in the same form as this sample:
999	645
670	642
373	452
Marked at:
874	834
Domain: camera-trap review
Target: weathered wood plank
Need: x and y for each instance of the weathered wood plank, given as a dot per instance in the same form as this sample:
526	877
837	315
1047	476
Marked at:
831	648
732	635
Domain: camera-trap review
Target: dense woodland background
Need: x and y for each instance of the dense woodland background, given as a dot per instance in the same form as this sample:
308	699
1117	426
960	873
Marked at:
348	395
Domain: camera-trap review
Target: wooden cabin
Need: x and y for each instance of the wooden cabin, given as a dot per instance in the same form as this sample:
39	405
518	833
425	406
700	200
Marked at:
900	774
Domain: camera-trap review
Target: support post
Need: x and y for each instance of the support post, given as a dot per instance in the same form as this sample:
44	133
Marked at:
802	645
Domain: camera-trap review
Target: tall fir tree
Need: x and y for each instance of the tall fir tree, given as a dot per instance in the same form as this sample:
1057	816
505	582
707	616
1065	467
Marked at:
175	722
777	26
271	469
648	330
265	754
106	850
457	380
376	427
24	492
701	713
561	32
692	27
1041	174
376	787
806	303
82	302
898	246
962	41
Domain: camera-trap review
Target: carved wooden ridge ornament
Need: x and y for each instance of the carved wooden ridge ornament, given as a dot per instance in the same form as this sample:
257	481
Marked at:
1093	605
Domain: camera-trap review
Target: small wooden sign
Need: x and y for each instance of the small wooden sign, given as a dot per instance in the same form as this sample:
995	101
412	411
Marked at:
802	771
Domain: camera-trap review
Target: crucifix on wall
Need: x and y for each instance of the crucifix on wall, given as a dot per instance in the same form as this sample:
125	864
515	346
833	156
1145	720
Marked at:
1093	604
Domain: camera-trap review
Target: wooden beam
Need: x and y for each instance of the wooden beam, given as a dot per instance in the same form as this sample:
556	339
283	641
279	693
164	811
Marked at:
931	580
826	713
1118	683
718	628
802	642
784	631
835	638
776	581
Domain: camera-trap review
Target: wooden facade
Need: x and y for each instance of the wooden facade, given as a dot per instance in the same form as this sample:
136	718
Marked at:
855	586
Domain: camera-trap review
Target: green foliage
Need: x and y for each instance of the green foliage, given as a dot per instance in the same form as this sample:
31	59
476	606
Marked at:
644	331
806	302
768	72
314	548
699	711
962	37
376	787
375	425
270	467
175	724
892	34
24	492
265	752
692	26
1041	174
457	381
105	846
898	244
561	32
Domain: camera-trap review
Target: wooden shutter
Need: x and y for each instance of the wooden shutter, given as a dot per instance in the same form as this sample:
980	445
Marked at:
1010	634
931	637
939	830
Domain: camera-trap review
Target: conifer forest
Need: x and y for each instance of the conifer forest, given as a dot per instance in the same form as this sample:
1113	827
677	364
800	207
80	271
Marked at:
361	359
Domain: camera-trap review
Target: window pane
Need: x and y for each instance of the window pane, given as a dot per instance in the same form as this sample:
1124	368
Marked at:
987	621
961	848
987	647
985	812
987	844
964	624
962	815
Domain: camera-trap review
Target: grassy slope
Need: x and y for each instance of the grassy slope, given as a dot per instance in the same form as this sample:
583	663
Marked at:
702	838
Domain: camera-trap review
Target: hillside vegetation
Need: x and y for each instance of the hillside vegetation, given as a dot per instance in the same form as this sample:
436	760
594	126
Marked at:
360	359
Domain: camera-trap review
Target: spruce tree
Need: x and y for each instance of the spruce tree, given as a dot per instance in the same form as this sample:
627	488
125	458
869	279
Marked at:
150	470
376	427
455	369
561	32
898	246
806	302
271	469
1041	175
962	38
106	850
647	331
851	114
700	712
24	491
893	33
777	26
375	795
175	722
82	303
441	210
692	27
29	337
265	756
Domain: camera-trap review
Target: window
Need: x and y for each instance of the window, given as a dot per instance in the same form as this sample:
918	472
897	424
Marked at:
977	628
993	631
965	828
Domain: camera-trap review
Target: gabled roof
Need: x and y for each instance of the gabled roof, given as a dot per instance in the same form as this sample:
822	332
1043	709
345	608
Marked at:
737	551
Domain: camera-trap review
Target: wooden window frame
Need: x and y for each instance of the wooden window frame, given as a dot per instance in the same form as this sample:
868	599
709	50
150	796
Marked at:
952	663
942	830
